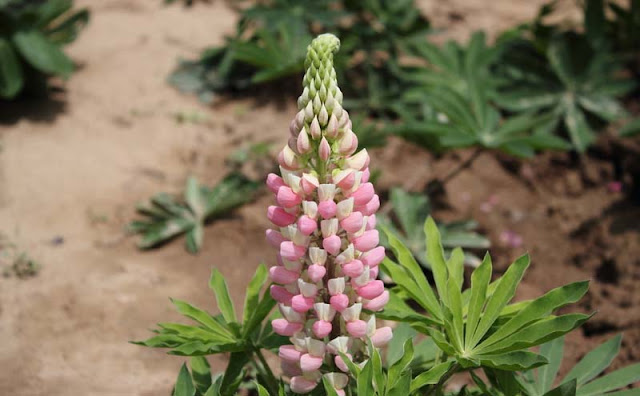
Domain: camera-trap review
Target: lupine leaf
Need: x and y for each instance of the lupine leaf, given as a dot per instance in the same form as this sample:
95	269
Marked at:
262	391
539	308
401	364
566	389
201	372
184	386
252	295
430	377
203	318
479	281
612	381
536	333
11	77
225	304
364	379
594	362
552	351
513	361
435	256
505	289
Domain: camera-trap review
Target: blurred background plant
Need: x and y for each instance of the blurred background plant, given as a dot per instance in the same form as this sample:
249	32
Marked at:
32	34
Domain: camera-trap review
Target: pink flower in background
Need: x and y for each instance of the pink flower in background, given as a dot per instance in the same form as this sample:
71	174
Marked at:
328	254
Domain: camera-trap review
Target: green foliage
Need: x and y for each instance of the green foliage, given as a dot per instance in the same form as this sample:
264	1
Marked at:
271	38
166	217
584	378
223	333
570	81
32	34
478	327
411	211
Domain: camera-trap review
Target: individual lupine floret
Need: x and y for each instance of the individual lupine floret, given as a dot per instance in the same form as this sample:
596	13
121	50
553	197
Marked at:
328	254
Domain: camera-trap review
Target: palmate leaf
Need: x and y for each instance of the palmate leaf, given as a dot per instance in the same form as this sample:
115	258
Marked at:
41	53
575	80
167	218
580	379
11	76
479	327
411	210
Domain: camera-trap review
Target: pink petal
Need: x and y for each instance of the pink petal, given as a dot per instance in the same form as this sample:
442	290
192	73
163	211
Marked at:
381	337
274	238
327	209
321	328
373	272
283	276
367	241
353	268
373	257
287	198
292	252
307	225
316	272
363	194
301	384
347	182
310	363
324	150
285	328
357	328
289	353
371	290
302	304
281	295
371	207
332	244
377	303
352	223
366	174
307	186
339	302
274	182
279	217
371	222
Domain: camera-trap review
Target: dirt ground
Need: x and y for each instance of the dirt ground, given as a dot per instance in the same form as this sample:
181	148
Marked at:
72	169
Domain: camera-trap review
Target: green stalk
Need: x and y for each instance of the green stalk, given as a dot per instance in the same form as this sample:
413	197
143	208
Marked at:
272	383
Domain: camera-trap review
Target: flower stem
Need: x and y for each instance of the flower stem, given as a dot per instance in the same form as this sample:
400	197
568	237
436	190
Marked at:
268	374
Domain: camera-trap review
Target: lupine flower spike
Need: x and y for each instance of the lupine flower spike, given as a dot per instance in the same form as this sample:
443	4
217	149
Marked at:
328	254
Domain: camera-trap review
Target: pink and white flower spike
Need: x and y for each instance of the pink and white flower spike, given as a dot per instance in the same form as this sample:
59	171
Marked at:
324	232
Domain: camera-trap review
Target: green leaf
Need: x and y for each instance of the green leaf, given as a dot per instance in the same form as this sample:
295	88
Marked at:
260	312
194	238
424	296
41	53
566	389
431	377
604	107
579	131
552	351
252	296
539	308
365	379
401	364
402	386
219	287
11	79
184	386
435	256
201	372
479	281
594	362
612	381
195	199
505	289
262	391
513	361
536	333
203	318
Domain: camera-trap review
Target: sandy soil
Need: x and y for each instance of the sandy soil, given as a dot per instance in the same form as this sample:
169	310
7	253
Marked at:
74	167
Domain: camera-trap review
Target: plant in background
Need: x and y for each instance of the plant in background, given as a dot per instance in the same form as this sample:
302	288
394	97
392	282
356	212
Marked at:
574	78
410	212
168	218
32	34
